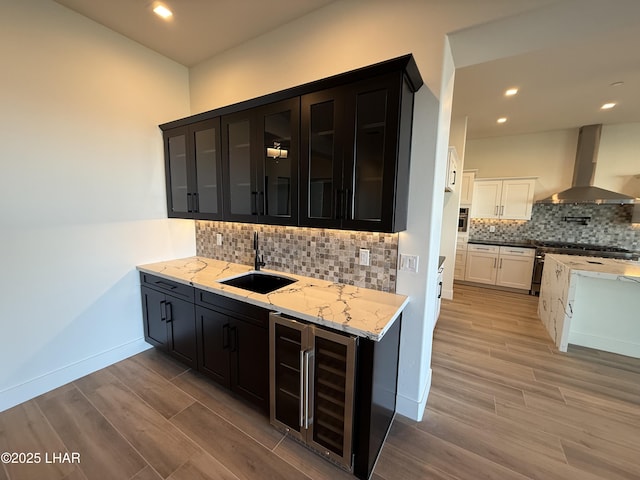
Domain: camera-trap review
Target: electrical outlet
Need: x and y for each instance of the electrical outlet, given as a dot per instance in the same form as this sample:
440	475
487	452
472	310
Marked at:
364	257
409	263
492	228
218	239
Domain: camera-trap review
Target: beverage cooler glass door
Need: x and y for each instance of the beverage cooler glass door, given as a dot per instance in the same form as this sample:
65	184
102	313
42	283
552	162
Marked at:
312	386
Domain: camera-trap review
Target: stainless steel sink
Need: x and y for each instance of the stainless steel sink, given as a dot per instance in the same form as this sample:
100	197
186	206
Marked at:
259	282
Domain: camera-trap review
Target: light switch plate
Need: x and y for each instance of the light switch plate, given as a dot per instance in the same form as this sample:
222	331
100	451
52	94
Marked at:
492	228
364	257
218	239
409	263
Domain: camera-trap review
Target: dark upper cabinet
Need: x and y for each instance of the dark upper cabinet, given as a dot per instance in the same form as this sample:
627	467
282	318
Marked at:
332	153
354	173
260	164
193	171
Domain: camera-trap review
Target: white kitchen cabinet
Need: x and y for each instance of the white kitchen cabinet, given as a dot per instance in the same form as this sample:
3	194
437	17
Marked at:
505	199
481	264
510	267
451	184
461	261
466	190
515	267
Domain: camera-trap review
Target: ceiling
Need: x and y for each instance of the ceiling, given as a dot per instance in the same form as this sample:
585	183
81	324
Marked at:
199	29
590	44
561	86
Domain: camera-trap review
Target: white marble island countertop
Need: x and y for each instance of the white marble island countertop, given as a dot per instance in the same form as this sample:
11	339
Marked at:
591	301
359	311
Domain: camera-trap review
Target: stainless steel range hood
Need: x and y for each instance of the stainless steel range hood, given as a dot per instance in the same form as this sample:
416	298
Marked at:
582	189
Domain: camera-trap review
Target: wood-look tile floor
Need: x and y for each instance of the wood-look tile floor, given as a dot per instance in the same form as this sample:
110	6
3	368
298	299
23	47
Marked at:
504	404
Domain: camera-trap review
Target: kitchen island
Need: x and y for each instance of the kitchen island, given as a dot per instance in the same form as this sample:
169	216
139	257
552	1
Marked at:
593	302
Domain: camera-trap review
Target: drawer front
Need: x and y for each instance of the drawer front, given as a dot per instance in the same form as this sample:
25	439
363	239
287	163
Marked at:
245	311
519	251
170	287
472	247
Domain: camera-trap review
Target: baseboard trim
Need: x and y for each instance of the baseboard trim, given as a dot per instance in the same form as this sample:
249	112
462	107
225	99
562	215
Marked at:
409	407
17	394
613	345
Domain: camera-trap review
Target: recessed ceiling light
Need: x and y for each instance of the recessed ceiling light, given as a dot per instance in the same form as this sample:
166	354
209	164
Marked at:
162	11
502	120
511	92
607	106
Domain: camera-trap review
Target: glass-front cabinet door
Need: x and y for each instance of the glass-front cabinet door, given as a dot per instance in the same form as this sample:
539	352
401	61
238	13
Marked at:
192	160
177	177
260	151
278	132
240	181
370	158
205	138
321	194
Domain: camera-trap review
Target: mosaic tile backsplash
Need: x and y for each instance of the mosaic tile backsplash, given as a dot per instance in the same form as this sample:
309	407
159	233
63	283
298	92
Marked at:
319	253
607	225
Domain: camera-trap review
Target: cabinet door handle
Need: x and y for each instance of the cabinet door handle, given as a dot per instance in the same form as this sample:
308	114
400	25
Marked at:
162	284
163	311
440	292
234	339
501	210
225	336
196	198
302	398
169	309
500	264
495	261
254	203
495	212
307	404
189	203
347	204
454	178
261	204
338	205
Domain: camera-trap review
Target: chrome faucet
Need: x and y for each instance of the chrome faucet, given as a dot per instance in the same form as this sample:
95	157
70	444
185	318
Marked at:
259	259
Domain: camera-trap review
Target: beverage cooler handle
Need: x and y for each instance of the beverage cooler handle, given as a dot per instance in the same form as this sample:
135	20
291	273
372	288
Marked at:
308	357
302	384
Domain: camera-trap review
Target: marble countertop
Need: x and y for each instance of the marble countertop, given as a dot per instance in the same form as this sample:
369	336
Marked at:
359	311
524	243
610	268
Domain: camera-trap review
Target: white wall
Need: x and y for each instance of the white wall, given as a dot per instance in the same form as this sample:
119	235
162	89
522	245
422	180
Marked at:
618	166
82	193
551	156
451	208
547	155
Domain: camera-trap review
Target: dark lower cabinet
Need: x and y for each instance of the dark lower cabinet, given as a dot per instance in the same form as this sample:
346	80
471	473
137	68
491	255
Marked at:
169	324
233	339
332	391
224	339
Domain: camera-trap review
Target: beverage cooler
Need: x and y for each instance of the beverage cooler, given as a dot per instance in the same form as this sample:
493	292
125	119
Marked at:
312	386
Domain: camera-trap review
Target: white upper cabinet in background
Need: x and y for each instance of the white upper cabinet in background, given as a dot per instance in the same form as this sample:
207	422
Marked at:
453	177
505	199
466	193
